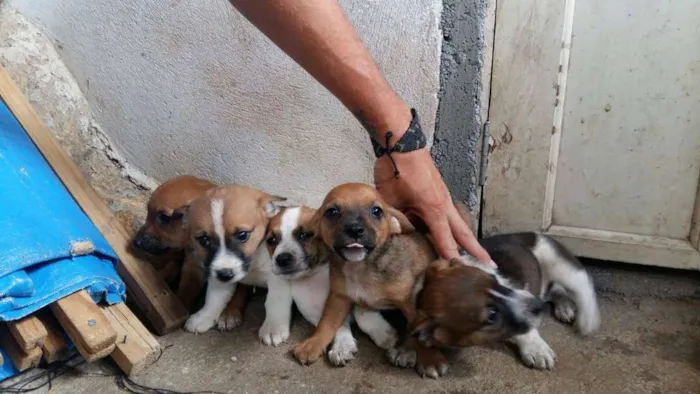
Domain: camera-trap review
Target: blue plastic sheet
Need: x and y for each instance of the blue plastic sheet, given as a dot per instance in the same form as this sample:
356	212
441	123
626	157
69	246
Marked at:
40	224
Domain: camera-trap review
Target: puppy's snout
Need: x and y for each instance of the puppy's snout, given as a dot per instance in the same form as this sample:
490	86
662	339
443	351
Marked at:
284	260
138	240
354	230
225	274
536	306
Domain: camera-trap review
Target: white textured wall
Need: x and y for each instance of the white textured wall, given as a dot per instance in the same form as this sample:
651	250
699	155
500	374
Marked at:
191	87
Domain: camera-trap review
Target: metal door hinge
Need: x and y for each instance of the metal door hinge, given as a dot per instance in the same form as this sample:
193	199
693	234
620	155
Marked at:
485	148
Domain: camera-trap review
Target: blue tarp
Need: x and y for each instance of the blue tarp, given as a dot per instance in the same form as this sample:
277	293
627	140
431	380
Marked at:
40	224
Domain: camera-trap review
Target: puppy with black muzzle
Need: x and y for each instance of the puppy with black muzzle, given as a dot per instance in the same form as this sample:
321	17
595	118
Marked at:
463	303
375	259
227	229
165	234
300	276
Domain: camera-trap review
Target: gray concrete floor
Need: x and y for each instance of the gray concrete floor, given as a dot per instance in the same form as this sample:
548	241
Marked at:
646	345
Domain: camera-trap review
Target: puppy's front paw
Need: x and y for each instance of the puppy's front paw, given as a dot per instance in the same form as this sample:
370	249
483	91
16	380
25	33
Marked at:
401	357
564	310
273	333
538	355
309	351
431	363
200	322
343	350
229	320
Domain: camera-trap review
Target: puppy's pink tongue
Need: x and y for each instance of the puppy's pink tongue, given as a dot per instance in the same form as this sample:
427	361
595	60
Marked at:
354	246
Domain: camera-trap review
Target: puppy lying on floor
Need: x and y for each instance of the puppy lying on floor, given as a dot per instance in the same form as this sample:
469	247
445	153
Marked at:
463	303
375	258
300	275
227	229
164	236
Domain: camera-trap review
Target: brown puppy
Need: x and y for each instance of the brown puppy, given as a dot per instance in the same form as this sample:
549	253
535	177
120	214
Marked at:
227	229
465	304
376	258
164	236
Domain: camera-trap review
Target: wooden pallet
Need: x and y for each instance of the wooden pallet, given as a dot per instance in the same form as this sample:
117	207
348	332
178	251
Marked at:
150	293
96	332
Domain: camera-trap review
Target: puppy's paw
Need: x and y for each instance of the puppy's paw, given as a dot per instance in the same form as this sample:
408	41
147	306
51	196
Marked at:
309	351
385	339
538	355
229	320
343	350
401	357
273	333
200	322
565	310
431	363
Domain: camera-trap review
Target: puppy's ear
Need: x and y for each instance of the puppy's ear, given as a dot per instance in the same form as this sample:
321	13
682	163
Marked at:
423	328
398	222
269	204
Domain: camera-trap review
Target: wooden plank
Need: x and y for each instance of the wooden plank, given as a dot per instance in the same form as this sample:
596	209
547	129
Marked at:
21	359
54	346
85	324
135	346
28	332
162	308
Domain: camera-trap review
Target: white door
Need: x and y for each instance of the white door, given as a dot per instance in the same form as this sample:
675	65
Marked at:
595	121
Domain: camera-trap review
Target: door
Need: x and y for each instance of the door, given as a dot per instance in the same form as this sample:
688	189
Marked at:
595	126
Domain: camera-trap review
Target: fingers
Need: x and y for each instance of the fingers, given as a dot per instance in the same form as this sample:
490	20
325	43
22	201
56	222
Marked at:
464	236
442	236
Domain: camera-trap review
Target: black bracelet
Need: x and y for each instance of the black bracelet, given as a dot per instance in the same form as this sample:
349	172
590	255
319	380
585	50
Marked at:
412	140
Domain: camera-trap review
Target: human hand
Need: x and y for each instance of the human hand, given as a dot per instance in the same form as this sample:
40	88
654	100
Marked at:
420	190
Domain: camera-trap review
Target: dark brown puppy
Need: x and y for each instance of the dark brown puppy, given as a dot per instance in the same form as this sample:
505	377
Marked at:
463	303
376	258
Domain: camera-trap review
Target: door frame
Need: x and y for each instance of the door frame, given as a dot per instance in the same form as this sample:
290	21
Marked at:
524	210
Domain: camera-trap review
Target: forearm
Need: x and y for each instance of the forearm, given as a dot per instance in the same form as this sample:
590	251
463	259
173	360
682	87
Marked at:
318	36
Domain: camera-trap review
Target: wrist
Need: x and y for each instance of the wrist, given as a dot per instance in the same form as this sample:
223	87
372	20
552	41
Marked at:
409	140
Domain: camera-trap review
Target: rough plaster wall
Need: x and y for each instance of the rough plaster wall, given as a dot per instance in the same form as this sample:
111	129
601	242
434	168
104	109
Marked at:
455	148
192	87
35	66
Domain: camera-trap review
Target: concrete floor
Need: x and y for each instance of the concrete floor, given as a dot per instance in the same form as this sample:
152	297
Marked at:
646	345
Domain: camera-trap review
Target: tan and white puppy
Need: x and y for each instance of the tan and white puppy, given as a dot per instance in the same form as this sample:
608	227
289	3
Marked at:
463	303
165	234
301	276
227	229
375	259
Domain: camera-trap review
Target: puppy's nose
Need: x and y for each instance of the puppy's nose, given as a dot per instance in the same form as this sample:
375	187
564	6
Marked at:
536	306
139	239
354	230
284	260
225	274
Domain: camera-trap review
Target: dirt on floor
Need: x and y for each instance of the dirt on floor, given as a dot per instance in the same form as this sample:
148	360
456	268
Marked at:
646	345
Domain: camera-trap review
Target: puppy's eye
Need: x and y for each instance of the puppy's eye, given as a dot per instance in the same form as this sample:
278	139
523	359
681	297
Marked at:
177	215
272	240
204	240
493	315
377	212
332	213
163	218
242	236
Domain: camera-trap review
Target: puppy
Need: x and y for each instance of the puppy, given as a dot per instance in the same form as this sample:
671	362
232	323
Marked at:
227	229
463	303
375	259
164	235
300	275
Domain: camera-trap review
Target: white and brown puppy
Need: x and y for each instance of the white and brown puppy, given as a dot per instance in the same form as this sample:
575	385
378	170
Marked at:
301	276
227	229
463	303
